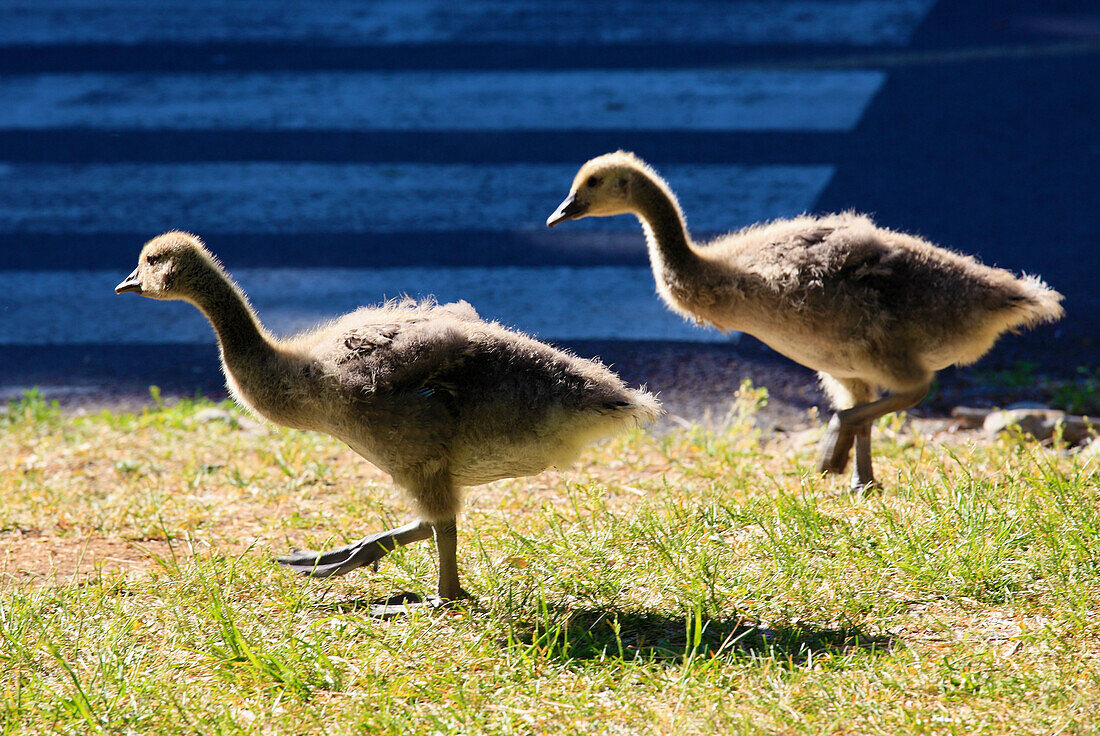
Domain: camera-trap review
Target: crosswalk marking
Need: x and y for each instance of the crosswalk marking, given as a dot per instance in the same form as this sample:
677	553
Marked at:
499	86
693	99
296	197
860	22
616	303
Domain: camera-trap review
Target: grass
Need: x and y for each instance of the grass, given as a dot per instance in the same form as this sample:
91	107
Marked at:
693	582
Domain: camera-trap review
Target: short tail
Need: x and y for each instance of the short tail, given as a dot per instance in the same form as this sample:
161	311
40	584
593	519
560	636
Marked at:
637	404
1037	303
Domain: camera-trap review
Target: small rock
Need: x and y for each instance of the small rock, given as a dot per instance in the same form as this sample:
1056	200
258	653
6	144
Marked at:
1040	423
1029	405
803	438
1079	429
243	422
246	423
214	414
968	417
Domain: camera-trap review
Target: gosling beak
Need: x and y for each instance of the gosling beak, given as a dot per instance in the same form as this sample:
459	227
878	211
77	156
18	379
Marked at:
570	209
132	283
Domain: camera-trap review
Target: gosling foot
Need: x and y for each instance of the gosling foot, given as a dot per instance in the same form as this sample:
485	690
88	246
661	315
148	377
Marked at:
338	561
836	446
402	604
366	551
868	488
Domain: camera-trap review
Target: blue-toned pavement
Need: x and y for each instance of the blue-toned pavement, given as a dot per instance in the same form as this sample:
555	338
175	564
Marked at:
356	151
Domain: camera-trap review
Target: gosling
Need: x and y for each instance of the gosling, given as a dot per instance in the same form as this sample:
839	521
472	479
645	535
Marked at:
868	308
432	394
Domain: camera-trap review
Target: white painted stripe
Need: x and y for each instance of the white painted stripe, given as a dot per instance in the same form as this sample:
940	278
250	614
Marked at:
470	21
281	197
552	303
690	99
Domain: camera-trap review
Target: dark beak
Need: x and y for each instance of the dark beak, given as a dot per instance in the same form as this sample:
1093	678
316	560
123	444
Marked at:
132	283
570	209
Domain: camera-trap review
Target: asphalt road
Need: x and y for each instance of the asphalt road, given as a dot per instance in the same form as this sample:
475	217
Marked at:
337	155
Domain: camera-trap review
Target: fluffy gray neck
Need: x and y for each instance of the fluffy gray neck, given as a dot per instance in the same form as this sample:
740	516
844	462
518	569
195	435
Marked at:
670	249
259	373
238	330
693	284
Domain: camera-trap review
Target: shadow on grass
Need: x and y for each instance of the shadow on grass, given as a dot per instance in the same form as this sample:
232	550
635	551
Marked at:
588	634
592	634
390	606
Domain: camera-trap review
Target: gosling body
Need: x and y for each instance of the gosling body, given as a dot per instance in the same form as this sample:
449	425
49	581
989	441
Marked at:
869	308
432	394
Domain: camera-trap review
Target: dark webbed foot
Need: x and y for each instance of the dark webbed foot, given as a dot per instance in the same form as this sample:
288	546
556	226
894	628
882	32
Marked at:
400	604
369	550
836	446
334	562
365	551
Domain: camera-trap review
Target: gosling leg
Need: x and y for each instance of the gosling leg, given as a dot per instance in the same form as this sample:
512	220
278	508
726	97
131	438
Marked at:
446	544
863	478
869	412
448	589
853	425
366	551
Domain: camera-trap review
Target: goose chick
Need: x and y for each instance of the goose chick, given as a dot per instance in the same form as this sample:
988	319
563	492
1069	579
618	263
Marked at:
870	309
433	395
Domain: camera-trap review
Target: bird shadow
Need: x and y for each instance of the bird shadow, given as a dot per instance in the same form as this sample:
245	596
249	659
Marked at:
587	634
572	634
393	605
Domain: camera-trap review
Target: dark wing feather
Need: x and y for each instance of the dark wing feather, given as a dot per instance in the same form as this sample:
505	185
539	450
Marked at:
403	357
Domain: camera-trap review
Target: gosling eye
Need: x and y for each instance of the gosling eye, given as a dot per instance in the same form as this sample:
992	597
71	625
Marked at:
152	260
593	182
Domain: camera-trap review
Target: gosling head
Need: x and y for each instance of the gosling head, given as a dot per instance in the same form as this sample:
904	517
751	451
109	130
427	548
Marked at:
603	187
169	267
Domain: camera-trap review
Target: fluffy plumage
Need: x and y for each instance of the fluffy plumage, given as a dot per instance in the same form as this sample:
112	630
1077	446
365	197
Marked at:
432	394
867	307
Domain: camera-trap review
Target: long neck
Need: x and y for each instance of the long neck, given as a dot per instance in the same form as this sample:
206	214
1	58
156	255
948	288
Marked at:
666	234
238	330
259	373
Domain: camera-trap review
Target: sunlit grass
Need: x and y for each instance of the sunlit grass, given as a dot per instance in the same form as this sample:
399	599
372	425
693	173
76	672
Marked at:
696	581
